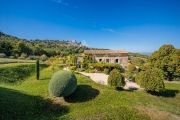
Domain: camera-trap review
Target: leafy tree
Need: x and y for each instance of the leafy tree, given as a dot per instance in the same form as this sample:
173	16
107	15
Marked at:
11	45
39	51
167	59
6	47
22	48
151	80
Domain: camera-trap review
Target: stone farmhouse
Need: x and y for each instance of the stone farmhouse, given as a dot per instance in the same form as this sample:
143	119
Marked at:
109	56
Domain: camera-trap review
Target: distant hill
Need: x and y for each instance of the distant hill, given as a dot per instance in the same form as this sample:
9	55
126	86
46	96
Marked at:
11	45
140	55
14	46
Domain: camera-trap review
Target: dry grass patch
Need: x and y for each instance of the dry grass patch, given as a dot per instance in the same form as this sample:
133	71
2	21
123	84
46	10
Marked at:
155	114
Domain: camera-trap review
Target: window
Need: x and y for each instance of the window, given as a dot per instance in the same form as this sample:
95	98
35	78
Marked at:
117	61
100	60
107	60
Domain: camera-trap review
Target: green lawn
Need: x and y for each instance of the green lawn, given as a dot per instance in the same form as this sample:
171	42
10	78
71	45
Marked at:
91	101
9	60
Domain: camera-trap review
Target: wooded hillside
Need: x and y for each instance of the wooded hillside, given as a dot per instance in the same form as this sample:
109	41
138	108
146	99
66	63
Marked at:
14	46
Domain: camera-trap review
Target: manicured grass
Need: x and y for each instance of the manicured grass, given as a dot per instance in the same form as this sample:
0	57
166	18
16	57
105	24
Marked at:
91	101
10	60
13	73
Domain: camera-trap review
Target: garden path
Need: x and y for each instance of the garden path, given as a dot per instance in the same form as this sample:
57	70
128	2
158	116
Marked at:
102	78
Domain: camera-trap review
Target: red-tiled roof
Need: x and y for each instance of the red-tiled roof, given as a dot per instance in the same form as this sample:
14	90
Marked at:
104	51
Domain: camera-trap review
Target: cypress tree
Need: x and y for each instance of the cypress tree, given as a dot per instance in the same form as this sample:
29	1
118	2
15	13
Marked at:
37	69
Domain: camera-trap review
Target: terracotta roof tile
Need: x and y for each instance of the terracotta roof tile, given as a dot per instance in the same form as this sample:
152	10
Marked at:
104	51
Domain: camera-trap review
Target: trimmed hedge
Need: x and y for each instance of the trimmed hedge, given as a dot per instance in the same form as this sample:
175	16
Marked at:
116	79
63	83
151	80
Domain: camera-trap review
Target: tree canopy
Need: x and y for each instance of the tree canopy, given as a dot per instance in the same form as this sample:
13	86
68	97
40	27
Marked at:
167	58
13	46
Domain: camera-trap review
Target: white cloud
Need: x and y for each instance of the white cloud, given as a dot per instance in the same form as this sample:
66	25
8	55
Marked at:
62	2
57	1
108	30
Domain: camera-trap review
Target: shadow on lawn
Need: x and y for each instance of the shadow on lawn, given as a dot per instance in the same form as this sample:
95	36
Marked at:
16	105
83	93
166	93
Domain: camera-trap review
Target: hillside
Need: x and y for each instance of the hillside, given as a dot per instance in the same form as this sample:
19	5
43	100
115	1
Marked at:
14	46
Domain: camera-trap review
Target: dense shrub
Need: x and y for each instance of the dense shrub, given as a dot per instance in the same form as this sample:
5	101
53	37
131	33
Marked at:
43	57
116	79
110	66
139	78
131	72
106	71
15	73
63	83
73	68
151	80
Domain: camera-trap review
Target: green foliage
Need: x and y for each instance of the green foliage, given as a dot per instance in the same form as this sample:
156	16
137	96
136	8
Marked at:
32	98
23	56
167	58
106	71
137	55
11	45
15	73
37	69
110	66
139	78
63	83
131	72
152	80
43	57
20	47
6	47
116	79
73	68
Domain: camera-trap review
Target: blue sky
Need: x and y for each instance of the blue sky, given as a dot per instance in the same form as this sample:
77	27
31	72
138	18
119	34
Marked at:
134	25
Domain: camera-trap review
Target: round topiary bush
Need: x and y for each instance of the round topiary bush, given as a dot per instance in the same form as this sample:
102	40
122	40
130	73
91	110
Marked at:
151	80
63	83
116	79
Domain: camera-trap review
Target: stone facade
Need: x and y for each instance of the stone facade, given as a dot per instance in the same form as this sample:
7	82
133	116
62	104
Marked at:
109	56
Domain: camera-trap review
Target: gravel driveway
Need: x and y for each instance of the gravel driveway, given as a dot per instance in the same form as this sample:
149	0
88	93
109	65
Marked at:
102	78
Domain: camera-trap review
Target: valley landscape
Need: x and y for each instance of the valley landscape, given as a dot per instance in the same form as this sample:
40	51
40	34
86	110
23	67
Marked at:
89	60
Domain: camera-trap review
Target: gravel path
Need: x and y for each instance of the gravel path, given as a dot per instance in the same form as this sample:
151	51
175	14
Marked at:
102	78
97	77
